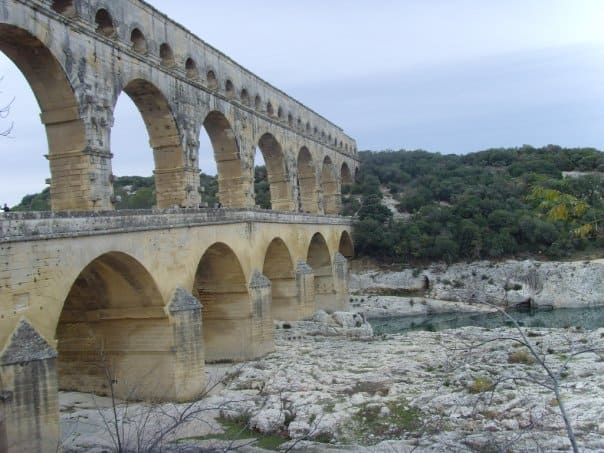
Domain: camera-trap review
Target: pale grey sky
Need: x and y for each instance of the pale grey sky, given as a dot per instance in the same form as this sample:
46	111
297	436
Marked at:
452	76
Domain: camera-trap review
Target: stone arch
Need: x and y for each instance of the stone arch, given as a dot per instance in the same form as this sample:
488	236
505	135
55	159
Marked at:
280	113
138	40
270	111
279	269
345	174
329	184
113	320
104	23
164	138
191	69
307	127
65	131
64	7
166	55
227	312
319	259
211	80
245	97
307	181
290	120
228	160
257	102
346	246
229	88
278	178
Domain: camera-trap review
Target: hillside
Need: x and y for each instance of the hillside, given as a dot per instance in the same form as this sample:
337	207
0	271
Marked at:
485	205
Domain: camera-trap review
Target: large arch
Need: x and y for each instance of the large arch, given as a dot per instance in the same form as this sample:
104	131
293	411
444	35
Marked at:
307	181
65	131
274	158
279	269
329	183
113	330
228	160
164	138
227	312
319	259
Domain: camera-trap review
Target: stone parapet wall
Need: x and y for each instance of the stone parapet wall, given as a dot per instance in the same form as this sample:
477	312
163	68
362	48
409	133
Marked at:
28	226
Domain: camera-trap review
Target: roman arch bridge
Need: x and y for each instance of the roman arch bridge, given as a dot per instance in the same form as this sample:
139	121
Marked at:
151	296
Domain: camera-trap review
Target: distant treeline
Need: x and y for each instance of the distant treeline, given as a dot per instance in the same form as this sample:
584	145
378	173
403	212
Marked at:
490	204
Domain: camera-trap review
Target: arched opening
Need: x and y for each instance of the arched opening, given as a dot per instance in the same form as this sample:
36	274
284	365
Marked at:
281	198
229	89
290	120
245	97
113	330
308	128
104	23
279	269
228	160
331	196
280	113
262	188
270	111
166	55
345	174
346	247
132	162
139	43
257	102
227	313
315	131
164	139
307	180
60	116
211	80
65	7
299	123
191	69
320	261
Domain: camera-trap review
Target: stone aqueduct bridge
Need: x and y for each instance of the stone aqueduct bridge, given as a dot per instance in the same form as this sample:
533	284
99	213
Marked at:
80	55
150	296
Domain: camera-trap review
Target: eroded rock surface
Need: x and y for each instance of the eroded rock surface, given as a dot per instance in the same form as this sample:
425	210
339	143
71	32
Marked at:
455	390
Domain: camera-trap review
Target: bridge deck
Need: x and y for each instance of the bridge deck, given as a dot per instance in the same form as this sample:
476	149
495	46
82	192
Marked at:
34	226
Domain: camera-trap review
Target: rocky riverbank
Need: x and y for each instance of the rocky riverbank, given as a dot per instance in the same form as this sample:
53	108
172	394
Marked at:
509	283
455	390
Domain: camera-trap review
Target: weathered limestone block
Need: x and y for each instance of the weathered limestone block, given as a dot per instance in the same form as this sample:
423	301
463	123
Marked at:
262	321
29	417
185	317
341	273
305	289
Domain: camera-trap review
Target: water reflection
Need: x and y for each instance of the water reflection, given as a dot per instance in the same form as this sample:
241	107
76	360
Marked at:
586	318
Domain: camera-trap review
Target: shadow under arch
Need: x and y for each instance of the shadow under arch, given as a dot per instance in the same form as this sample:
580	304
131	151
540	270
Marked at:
278	178
164	138
279	269
228	160
227	314
307	181
65	131
113	327
319	260
329	183
346	246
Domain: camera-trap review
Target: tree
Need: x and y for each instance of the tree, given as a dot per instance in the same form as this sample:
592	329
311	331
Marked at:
4	112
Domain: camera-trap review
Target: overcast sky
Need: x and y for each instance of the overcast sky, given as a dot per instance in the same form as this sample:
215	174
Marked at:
451	76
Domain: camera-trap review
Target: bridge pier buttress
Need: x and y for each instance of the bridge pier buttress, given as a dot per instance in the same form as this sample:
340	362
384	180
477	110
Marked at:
305	291
341	277
29	403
